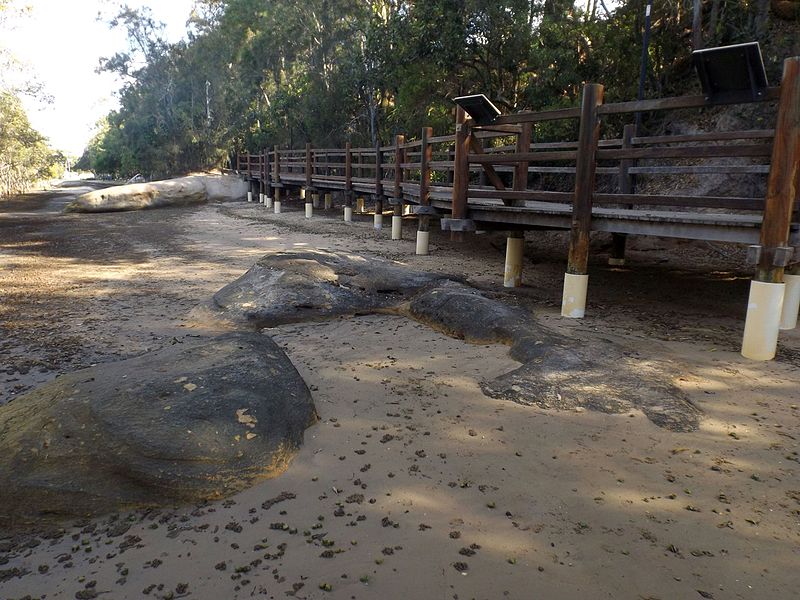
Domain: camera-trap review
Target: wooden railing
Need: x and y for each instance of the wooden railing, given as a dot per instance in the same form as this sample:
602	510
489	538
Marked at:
372	171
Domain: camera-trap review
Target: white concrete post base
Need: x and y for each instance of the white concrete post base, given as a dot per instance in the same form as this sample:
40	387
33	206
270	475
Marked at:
512	276
423	238
277	207
302	193
309	210
359	205
267	201
328	201
397	228
763	319
616	262
573	302
378	221
249	196
315	200
791	301
348	214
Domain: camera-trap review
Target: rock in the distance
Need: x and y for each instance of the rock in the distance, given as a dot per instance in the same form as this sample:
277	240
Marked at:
183	191
197	420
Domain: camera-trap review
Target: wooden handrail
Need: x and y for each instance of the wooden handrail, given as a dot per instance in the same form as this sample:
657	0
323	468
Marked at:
413	169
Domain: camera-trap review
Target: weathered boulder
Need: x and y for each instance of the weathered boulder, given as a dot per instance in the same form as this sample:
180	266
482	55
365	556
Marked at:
183	191
194	421
297	285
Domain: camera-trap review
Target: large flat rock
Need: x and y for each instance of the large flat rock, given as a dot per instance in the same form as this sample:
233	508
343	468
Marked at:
182	191
298	285
194	421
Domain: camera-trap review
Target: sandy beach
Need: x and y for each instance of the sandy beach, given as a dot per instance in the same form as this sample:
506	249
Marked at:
414	484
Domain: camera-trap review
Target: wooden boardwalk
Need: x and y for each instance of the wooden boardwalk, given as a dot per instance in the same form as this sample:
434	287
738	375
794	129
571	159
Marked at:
502	176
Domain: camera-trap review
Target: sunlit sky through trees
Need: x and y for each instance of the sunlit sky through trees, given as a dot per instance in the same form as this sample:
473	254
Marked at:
59	44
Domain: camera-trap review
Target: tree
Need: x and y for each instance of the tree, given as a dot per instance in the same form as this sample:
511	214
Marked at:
257	73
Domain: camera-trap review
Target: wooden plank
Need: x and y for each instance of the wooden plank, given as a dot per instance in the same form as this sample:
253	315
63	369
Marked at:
722	202
495	159
783	184
700	169
713	136
677	102
522	195
537	117
503	129
577	263
713	151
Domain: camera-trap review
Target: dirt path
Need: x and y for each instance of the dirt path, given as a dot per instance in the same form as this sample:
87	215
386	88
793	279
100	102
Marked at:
422	486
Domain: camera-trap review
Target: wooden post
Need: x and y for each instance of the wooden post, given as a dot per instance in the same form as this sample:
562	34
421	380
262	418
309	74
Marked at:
460	196
397	200
619	240
573	302
521	168
423	227
378	186
399	159
584	179
348	183
783	184
267	172
264	173
425	167
309	167
276	181
451	156
765	304
348	174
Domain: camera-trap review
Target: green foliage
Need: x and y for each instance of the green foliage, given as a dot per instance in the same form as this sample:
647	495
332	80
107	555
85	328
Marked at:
258	73
25	157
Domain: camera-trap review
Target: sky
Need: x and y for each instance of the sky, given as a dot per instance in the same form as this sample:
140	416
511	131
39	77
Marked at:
60	43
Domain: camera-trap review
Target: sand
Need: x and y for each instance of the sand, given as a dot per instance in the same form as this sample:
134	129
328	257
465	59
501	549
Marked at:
414	484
